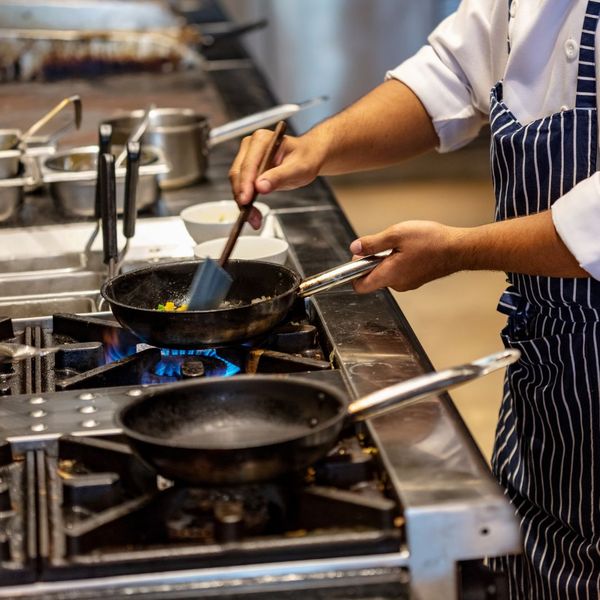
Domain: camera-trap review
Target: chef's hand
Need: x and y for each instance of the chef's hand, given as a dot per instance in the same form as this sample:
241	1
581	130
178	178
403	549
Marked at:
422	252
297	163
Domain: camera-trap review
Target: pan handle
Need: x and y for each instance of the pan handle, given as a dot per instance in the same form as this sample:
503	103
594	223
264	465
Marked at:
390	398
12	352
74	100
247	125
341	274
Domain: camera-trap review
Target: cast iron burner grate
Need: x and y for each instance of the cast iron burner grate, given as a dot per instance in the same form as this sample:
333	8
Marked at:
98	353
117	517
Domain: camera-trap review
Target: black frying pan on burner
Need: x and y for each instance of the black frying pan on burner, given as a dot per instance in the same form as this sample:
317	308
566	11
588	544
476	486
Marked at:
259	298
245	429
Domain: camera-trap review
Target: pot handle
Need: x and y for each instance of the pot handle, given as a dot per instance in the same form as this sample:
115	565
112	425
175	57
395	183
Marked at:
75	100
390	398
246	125
341	274
108	205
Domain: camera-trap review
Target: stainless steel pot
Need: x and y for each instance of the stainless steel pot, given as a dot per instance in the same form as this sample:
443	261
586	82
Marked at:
11	196
185	136
71	177
9	154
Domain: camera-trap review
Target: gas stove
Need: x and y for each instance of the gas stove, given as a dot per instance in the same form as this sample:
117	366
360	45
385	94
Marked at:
95	351
77	505
81	516
73	390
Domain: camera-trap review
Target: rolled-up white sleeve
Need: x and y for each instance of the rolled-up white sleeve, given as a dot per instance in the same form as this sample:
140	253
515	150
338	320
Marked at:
444	97
576	217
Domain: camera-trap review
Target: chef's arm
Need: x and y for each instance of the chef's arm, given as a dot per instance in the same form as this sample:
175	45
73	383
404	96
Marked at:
382	128
385	127
425	250
529	245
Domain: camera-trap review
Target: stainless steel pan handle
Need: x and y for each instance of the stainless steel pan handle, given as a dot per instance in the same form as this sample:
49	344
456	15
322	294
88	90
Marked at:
246	125
75	100
338	275
390	398
12	352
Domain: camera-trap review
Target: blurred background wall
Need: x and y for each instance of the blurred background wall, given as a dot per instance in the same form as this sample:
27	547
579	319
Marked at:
338	48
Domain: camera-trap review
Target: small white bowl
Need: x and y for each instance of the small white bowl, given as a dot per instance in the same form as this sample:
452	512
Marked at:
273	250
213	220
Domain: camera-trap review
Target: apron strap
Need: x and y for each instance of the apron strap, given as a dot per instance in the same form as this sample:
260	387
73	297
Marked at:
586	75
510	301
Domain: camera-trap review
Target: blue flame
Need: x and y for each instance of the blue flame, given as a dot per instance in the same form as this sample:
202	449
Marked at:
172	368
170	363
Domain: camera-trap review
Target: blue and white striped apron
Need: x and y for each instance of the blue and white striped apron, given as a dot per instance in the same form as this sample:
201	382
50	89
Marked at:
547	451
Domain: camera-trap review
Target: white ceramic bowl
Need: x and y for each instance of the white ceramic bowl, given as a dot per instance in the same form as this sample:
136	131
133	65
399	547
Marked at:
273	250
213	220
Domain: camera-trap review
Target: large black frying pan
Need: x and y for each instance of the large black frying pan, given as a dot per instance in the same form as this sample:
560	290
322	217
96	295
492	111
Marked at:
260	297
252	428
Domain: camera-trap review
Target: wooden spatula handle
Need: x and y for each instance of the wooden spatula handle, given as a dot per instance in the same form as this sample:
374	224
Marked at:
245	210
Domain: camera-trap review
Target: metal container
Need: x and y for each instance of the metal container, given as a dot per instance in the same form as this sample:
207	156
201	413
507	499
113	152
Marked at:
9	153
185	136
11	196
181	133
71	177
9	139
16	145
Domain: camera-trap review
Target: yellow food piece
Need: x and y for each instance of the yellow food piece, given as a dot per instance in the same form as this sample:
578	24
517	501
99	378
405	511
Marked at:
171	307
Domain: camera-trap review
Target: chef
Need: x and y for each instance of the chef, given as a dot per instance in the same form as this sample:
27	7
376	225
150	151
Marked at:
528	68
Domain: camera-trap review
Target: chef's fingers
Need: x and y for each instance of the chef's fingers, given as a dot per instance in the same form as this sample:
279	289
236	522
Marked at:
296	168
235	169
384	273
379	242
380	277
255	218
254	153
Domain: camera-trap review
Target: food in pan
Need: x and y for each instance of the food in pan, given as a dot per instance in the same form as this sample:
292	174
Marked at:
171	307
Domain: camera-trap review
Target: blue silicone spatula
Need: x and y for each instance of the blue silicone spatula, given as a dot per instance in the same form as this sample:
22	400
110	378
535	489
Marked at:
212	282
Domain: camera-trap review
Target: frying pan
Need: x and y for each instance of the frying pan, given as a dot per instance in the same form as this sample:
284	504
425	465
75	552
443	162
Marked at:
259	298
256	427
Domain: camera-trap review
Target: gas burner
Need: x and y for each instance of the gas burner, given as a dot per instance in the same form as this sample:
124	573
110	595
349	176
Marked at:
98	353
222	515
188	367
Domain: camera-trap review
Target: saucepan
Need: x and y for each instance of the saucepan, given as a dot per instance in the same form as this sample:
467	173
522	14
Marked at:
253	428
185	136
261	295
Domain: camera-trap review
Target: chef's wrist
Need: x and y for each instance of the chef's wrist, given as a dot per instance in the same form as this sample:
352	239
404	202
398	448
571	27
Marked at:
459	249
318	145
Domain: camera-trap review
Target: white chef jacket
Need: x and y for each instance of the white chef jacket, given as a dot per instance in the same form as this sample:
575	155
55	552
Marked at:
468	53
